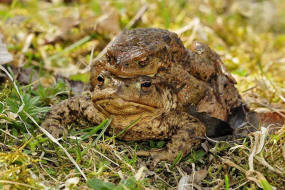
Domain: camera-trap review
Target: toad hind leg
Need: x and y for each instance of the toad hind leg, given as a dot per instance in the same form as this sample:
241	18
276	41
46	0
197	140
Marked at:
69	111
189	132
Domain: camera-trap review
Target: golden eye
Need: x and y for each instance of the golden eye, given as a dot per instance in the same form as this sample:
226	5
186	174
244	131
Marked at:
145	85
143	62
109	59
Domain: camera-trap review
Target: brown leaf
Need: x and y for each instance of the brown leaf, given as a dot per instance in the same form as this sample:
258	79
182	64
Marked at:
267	118
5	56
64	25
107	23
187	182
200	175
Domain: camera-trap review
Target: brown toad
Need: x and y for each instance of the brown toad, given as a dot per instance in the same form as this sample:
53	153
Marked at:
176	93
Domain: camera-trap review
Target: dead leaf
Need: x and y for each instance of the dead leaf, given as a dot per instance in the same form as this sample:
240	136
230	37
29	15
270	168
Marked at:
62	30
47	81
5	56
187	182
71	182
25	75
107	23
6	1
200	175
184	183
267	118
257	12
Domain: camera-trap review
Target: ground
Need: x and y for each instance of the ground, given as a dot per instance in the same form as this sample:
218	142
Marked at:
53	41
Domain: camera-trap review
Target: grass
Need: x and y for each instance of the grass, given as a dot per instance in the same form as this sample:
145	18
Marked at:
52	38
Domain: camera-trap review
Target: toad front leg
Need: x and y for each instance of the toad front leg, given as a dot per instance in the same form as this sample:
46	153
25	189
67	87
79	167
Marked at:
186	135
69	111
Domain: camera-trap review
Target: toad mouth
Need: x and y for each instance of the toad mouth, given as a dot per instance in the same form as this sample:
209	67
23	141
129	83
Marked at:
118	106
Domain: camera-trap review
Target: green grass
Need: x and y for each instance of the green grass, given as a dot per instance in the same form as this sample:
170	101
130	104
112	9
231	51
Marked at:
29	159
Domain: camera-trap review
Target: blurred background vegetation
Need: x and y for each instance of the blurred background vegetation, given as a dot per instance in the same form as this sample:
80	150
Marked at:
51	44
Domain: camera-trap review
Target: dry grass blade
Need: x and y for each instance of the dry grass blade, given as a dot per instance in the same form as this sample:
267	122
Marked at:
194	24
5	56
41	157
258	143
251	175
105	157
255	176
16	88
184	183
283	151
56	142
140	173
266	164
17	183
69	48
9	134
137	17
232	164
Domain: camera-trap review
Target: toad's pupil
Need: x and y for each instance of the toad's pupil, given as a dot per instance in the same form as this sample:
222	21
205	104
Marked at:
100	79
146	84
108	58
142	63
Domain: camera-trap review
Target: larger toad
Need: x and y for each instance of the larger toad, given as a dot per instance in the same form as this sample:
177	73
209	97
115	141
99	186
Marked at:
175	93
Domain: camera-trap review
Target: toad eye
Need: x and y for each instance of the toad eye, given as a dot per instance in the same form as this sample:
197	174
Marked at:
111	59
100	80
143	62
108	58
145	85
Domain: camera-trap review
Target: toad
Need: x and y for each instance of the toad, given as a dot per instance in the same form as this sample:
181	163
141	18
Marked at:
174	93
